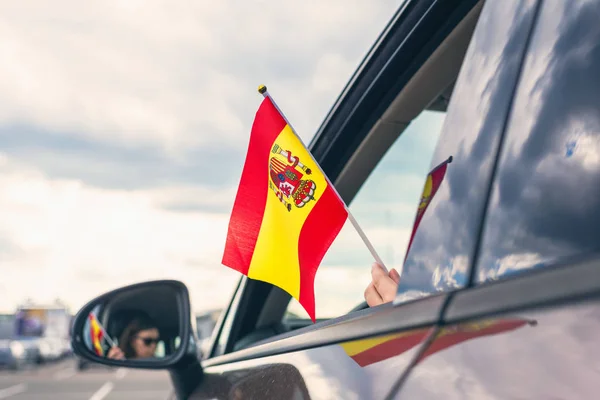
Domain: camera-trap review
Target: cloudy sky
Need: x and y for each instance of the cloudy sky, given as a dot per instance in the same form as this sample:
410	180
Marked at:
123	131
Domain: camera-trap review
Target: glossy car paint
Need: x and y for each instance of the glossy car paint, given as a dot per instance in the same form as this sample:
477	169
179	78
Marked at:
553	355
545	204
439	260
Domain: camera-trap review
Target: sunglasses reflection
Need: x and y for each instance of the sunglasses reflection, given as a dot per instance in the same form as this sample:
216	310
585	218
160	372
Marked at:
138	340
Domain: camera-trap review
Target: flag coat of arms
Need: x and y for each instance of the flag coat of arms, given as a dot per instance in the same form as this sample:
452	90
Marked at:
286	214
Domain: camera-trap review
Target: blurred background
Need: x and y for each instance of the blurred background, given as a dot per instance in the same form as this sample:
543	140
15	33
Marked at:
123	131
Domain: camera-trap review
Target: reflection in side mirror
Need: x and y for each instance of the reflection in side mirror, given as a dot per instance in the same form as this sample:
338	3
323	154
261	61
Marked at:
146	323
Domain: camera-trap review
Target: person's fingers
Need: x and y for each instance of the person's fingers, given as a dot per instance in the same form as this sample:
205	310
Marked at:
395	276
116	353
372	297
385	286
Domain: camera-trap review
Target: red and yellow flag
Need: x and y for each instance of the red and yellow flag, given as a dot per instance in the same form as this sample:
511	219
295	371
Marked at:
372	350
432	184
455	334
96	334
285	215
375	349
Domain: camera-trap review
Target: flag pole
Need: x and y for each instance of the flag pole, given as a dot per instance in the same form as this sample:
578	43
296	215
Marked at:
262	89
108	339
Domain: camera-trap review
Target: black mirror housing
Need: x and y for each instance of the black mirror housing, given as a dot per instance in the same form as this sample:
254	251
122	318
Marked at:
152	317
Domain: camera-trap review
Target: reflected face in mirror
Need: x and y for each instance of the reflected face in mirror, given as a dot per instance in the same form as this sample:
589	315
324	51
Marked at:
142	324
139	339
145	342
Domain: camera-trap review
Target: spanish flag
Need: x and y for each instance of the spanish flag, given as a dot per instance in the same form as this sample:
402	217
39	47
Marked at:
286	214
96	334
432	184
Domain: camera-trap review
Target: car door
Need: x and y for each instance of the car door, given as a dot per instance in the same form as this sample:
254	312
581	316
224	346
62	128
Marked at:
256	352
528	325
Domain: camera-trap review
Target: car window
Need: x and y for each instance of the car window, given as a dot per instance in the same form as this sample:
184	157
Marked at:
441	255
385	208
545	204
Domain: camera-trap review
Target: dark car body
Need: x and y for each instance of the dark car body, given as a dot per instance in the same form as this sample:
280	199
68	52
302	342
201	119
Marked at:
500	292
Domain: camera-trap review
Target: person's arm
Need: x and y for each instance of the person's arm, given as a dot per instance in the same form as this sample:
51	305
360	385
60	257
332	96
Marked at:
383	286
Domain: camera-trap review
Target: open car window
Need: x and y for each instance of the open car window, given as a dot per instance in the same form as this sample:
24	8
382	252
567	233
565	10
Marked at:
385	180
385	208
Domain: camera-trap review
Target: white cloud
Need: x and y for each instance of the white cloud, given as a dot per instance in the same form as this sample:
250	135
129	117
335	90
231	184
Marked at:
510	263
177	75
152	74
446	276
73	241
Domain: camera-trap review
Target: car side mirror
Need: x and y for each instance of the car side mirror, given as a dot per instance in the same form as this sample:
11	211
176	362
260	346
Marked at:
145	325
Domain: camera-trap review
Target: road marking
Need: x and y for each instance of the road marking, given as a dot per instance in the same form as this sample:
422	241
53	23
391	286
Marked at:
103	391
64	373
13	390
120	374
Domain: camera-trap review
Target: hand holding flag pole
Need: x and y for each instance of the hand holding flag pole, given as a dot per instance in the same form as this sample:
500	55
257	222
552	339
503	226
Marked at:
262	89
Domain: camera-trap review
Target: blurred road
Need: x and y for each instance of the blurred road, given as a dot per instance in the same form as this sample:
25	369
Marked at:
62	381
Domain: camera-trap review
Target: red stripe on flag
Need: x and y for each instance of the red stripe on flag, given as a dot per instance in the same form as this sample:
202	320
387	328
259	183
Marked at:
391	348
277	165
454	338
315	239
248	209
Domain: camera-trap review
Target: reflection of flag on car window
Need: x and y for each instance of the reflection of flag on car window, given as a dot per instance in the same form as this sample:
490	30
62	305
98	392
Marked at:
369	351
96	334
285	215
372	350
455	334
432	184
